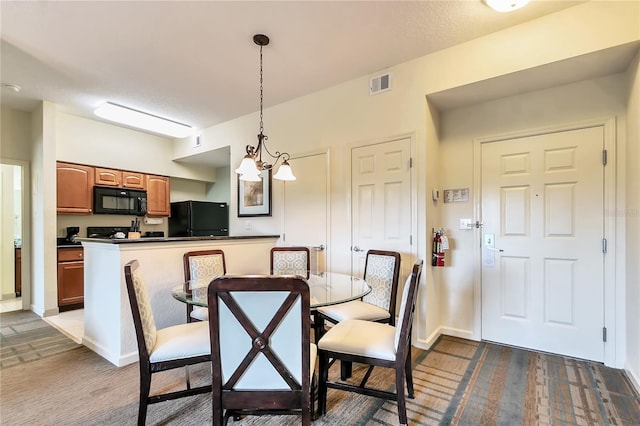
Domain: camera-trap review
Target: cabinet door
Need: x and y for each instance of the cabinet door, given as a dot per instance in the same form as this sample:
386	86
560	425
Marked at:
133	180
108	177
158	196
74	188
70	283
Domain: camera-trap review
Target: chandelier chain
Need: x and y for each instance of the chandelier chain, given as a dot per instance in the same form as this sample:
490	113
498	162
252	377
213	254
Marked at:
261	125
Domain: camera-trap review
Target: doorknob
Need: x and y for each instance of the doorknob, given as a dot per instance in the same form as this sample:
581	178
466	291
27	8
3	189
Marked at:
356	249
318	248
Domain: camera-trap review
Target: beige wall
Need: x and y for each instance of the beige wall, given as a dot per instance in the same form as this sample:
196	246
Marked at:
632	217
15	135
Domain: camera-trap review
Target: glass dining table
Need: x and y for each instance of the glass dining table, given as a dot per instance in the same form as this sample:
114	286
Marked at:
325	288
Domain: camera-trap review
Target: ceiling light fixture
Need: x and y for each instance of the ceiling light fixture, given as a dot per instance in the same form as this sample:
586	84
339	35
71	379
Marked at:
11	86
505	5
252	163
142	120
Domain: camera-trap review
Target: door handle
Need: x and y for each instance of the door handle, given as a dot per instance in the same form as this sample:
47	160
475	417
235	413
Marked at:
356	249
494	249
318	248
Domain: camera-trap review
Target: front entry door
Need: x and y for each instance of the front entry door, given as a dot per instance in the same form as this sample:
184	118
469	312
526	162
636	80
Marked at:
381	202
542	242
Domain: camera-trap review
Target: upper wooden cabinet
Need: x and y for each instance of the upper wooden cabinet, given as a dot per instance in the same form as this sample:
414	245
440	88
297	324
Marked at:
74	188
158	196
119	178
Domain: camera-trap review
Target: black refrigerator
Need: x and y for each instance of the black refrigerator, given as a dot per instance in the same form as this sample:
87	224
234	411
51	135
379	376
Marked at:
198	219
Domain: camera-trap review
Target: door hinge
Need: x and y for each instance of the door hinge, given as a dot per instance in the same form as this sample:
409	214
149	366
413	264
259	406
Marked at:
604	157
604	334
410	162
604	245
410	240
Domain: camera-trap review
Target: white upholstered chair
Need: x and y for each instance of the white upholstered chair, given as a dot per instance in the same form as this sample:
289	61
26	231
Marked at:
374	344
162	349
290	261
381	272
200	268
262	357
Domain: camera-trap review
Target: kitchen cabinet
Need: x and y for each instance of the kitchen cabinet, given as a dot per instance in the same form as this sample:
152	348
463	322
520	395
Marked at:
158	196
18	271
74	188
70	278
119	178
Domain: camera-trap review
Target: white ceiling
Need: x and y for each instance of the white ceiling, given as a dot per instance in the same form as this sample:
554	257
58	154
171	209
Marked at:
195	62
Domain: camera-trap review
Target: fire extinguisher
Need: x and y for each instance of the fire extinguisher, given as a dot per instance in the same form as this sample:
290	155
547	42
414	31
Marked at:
438	248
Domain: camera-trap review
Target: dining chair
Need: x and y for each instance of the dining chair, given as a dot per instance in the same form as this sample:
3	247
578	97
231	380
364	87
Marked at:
162	349
373	344
262	357
290	261
381	272
200	268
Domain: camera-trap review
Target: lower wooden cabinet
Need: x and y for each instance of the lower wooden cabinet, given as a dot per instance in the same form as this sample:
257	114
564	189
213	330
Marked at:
70	278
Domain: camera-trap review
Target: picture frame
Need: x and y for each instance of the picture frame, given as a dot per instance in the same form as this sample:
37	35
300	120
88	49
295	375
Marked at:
254	198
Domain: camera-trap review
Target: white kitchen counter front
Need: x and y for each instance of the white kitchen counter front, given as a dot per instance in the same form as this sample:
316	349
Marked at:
108	323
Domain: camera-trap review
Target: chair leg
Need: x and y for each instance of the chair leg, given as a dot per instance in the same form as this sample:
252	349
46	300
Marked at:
145	387
402	407
346	368
408	372
323	374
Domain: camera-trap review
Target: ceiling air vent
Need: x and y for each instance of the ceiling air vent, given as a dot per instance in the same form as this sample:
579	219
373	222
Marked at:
380	83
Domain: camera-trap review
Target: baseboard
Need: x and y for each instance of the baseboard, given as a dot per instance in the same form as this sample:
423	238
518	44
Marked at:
118	361
634	379
433	337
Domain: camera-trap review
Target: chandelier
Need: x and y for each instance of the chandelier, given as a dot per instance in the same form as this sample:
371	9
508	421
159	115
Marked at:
252	163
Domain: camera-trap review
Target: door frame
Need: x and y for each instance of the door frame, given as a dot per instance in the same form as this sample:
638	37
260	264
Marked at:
413	190
26	229
613	296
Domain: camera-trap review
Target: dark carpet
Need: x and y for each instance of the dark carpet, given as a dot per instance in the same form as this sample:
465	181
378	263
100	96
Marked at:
457	382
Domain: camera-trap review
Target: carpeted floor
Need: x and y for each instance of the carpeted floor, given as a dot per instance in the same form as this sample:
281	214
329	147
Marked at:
457	382
25	337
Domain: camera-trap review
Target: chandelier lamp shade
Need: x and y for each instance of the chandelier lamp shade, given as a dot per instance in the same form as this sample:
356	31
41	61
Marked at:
252	164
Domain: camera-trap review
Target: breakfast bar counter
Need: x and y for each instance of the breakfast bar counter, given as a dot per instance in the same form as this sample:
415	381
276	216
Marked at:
108	324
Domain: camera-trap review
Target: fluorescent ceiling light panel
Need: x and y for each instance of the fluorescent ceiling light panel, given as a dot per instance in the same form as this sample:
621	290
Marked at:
142	120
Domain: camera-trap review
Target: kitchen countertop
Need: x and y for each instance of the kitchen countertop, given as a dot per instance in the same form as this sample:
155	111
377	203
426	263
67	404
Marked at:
170	239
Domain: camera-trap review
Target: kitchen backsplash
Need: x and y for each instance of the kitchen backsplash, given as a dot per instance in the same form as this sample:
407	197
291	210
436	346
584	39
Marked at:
83	221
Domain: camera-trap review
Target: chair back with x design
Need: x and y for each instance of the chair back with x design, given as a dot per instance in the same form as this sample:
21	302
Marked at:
260	340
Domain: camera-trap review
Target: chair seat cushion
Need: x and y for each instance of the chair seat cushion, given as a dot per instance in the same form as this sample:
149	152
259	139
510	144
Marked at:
356	309
200	313
181	341
363	338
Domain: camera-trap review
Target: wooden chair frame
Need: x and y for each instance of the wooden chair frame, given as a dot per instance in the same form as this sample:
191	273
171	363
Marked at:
147	368
228	401
187	273
299	248
401	364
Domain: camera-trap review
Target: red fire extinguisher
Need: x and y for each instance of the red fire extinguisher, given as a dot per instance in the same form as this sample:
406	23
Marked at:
437	250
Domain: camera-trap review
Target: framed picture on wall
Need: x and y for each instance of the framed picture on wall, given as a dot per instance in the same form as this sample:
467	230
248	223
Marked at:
254	198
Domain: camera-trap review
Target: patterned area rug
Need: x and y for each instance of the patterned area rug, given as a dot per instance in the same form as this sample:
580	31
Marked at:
26	337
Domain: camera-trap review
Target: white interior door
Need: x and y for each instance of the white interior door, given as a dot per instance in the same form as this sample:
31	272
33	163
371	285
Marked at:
305	208
381	201
542	254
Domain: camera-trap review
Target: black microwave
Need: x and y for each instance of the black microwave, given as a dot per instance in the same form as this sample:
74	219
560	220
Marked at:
108	200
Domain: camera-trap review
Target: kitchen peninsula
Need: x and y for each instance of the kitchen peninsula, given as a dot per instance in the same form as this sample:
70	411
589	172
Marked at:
108	324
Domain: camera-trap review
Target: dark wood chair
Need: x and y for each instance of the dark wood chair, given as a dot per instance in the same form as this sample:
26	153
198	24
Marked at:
200	268
290	261
382	273
162	349
261	355
374	344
